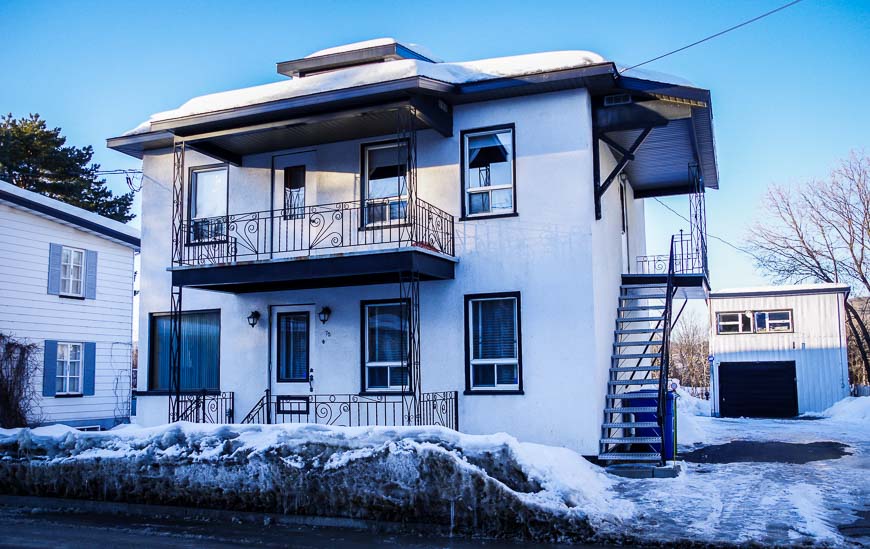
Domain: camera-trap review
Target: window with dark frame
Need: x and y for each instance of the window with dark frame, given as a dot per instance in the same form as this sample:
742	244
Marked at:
488	172
294	192
293	339
385	190
200	361
208	204
385	344
754	322
493	331
734	323
772	321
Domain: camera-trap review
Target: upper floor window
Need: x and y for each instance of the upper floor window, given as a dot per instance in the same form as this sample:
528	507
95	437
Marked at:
72	269
734	323
208	203
488	172
385	183
385	346
772	321
69	369
492	327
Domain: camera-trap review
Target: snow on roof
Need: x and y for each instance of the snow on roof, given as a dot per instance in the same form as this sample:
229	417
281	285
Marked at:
782	289
69	214
451	73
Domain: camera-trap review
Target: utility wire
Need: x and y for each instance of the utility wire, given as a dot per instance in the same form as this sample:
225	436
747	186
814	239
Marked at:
712	36
719	238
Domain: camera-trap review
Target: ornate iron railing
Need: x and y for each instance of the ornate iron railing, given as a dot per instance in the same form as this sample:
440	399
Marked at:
206	407
689	257
353	410
301	230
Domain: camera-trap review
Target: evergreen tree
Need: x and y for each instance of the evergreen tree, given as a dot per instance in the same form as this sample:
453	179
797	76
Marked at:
36	158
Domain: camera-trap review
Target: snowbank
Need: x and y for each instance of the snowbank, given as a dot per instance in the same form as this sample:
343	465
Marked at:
690	430
852	409
478	485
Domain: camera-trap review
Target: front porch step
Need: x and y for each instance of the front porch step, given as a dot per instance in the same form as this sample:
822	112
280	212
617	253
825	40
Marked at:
638	343
623	356
638	318
631	440
640	331
621	382
632	410
632	396
648	368
642	308
631	425
629	456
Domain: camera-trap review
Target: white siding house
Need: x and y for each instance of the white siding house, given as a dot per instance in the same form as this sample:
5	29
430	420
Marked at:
407	242
778	350
66	285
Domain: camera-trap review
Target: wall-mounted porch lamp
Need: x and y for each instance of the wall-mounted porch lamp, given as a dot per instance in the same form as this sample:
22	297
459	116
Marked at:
324	313
253	318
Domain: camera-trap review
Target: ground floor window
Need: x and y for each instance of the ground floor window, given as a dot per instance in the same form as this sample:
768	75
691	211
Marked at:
69	369
385	346
494	355
200	351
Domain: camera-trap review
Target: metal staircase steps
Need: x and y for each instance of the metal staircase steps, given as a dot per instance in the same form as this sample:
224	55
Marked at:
638	318
622	356
631	425
631	396
631	440
631	410
629	456
642	308
647	368
623	382
638	343
639	331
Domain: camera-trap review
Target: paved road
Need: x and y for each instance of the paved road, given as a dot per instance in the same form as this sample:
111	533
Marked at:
27	527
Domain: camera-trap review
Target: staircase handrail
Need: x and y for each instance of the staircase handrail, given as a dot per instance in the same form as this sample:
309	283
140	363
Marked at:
665	350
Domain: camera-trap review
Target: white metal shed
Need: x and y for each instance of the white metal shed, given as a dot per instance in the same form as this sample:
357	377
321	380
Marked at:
778	351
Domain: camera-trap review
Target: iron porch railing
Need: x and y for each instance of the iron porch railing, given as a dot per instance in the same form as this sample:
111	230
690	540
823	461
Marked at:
689	256
207	407
353	410
301	230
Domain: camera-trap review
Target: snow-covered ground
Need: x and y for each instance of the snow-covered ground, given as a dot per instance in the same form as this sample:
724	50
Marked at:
767	503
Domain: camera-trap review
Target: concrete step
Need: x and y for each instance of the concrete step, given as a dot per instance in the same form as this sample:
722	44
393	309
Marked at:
631	425
631	440
632	410
621	382
626	456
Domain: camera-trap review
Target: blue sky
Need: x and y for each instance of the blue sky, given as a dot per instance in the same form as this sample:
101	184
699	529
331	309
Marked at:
786	90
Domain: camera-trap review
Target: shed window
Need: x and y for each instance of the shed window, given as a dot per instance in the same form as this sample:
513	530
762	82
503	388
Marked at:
734	323
772	321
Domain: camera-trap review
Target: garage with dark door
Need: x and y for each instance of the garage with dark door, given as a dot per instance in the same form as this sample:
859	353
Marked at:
757	389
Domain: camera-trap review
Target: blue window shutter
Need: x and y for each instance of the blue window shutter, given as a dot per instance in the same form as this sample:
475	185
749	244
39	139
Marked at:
90	368
55	252
49	367
90	274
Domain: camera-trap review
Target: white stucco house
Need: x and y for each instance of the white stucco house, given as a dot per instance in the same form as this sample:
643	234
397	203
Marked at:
778	351
382	238
66	285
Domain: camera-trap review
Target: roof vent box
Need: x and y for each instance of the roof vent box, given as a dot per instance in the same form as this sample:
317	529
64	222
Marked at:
342	57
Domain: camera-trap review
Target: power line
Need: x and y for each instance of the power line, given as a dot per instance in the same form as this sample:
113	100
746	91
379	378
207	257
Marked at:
719	238
712	36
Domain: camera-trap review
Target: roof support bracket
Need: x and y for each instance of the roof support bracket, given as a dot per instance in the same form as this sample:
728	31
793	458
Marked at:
626	156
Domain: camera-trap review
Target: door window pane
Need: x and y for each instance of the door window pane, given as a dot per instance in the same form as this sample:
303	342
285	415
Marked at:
293	342
294	192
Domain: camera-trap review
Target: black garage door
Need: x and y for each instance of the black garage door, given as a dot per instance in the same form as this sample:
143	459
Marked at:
757	389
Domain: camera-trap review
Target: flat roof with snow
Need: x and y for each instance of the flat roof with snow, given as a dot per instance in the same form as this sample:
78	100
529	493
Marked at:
785	289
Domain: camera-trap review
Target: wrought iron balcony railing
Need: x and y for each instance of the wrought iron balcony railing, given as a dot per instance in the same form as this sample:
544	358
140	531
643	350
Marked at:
305	230
689	257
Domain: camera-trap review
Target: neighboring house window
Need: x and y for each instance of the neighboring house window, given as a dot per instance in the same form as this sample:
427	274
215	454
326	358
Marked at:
488	172
492	328
200	351
734	323
385	346
294	192
772	321
72	270
208	204
69	369
293	338
385	189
